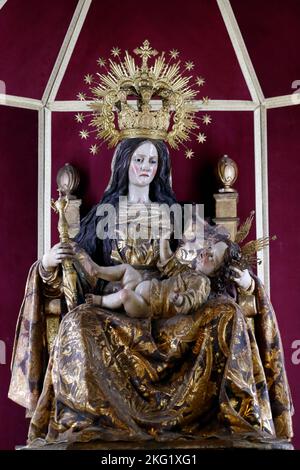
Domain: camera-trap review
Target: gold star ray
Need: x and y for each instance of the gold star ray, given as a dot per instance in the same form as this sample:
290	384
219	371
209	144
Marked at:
89	79
115	51
84	134
189	154
206	119
94	149
79	117
81	96
189	65
101	62
200	81
201	138
174	53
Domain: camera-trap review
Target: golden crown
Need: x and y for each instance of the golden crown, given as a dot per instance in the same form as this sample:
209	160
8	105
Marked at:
152	101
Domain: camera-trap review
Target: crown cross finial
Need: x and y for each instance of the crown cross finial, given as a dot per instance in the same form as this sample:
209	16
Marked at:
145	52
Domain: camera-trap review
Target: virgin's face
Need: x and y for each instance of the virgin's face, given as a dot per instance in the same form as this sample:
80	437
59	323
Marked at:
143	165
210	258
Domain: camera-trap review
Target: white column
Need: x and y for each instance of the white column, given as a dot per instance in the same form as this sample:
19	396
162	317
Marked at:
20	102
261	190
2	3
44	181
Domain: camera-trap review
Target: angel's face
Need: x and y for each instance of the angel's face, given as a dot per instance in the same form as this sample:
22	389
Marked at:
210	258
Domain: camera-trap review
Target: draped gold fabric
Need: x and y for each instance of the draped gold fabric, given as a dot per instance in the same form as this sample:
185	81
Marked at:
212	372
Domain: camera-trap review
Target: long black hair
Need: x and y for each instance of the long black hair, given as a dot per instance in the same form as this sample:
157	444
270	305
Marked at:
221	280
160	191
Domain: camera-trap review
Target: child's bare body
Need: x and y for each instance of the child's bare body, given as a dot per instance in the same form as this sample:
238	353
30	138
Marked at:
179	294
184	289
135	293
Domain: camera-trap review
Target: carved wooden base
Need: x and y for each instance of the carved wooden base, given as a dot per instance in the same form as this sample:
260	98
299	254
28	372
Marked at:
208	443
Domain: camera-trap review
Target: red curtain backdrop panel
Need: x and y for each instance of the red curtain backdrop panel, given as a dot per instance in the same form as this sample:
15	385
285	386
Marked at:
195	29
31	34
18	247
270	29
284	177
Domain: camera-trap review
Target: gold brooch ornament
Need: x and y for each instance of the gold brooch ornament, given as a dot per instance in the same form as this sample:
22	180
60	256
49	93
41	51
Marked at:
153	101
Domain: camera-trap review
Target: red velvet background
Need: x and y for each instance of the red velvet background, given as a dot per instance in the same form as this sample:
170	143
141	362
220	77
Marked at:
18	248
31	33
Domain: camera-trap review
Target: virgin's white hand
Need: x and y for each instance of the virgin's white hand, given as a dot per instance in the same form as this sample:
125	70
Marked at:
242	278
57	254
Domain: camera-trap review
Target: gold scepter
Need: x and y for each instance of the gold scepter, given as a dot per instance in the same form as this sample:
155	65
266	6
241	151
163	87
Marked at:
68	270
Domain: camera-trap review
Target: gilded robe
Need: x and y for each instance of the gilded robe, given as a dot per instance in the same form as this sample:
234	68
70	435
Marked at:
213	372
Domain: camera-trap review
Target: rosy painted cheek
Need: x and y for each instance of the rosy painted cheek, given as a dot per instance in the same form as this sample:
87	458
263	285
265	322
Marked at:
135	168
153	170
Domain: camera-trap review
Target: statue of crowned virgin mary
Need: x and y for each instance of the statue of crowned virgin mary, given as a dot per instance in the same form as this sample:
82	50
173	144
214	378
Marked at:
160	343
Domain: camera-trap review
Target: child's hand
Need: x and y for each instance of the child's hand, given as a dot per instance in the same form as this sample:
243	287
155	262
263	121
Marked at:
242	278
